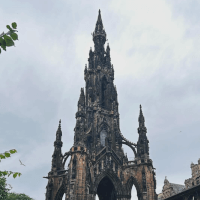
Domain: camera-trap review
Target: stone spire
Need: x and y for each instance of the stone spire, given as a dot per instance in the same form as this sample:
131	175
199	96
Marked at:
99	38
57	155
142	144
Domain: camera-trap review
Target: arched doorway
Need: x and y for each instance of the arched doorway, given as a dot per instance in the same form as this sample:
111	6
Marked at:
106	190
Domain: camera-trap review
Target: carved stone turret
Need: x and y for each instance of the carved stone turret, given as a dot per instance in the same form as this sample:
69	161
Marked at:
143	142
57	155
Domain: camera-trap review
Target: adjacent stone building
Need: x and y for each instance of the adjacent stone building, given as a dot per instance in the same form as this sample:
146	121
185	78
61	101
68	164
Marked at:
97	163
195	179
189	191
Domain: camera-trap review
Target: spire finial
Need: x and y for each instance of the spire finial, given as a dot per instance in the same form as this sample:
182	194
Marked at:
141	117
99	26
59	126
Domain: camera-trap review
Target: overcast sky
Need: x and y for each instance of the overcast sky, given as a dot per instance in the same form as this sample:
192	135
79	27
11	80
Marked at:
155	50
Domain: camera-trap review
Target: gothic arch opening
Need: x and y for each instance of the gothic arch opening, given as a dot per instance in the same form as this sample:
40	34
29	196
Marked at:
133	188
61	193
134	193
106	190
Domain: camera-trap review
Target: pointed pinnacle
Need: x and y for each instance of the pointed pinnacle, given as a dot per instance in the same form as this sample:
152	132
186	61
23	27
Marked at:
59	126
82	97
108	47
99	23
59	131
141	117
99	16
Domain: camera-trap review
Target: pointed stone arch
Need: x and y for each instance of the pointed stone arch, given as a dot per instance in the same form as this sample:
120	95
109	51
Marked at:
65	157
114	179
133	181
60	192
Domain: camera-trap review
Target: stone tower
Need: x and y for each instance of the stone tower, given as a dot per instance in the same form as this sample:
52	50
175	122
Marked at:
97	163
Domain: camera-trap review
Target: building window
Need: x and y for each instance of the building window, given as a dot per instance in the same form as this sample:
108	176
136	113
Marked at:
74	168
103	136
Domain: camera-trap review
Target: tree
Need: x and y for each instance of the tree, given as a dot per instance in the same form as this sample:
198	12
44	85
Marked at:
15	196
6	39
4	192
3	189
7	155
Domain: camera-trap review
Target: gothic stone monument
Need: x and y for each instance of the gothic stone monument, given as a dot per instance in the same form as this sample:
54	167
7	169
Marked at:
97	163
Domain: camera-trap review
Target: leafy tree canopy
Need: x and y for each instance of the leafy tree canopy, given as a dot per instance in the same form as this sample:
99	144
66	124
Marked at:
15	196
3	190
7	155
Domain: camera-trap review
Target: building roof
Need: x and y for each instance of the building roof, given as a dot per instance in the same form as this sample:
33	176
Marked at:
177	187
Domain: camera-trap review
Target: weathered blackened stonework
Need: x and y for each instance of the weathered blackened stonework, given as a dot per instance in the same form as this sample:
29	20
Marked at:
98	165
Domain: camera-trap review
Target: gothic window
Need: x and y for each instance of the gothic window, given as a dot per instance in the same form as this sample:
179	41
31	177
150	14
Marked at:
142	151
74	168
111	164
197	180
116	168
100	166
144	181
104	83
103	136
95	171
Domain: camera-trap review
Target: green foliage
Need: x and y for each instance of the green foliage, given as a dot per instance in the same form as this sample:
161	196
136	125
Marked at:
15	196
7	155
14	36
6	195
6	39
14	25
9	41
3	190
